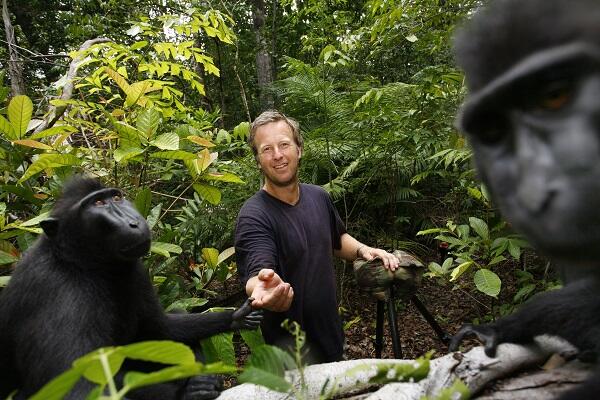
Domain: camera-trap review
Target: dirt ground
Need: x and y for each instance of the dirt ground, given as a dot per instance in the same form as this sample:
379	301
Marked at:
451	307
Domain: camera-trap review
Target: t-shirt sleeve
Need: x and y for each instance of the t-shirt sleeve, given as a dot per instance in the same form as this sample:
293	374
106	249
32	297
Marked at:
337	225
254	246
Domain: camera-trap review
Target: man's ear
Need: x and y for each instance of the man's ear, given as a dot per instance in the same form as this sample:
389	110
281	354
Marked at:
50	226
299	152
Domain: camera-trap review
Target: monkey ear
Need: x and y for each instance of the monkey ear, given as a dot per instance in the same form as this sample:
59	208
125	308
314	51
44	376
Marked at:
50	226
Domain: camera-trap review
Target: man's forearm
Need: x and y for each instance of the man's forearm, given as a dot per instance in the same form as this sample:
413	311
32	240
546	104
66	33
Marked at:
350	248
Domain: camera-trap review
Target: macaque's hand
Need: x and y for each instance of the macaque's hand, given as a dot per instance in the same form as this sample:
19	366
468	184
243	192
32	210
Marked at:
271	292
245	317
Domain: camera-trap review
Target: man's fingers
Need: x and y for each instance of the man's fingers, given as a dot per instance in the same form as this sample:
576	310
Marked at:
266	274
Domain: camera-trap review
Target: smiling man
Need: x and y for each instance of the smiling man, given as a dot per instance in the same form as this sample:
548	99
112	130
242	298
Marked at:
285	240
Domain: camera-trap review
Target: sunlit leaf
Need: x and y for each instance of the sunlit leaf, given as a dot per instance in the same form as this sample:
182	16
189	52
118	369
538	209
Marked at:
223	177
208	193
461	269
200	141
50	161
166	141
164	249
487	282
174	155
33	143
20	109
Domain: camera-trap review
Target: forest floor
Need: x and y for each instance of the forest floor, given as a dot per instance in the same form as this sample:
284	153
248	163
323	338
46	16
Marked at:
451	307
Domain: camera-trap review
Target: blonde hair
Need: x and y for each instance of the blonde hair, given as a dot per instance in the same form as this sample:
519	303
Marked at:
267	117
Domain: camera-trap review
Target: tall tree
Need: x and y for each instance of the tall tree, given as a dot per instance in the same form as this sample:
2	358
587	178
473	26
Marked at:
264	69
15	67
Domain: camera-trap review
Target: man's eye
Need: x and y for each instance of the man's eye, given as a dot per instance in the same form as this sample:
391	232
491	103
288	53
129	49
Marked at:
284	145
267	150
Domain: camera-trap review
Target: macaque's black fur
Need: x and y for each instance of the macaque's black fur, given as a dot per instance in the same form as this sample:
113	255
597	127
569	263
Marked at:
82	286
508	30
533	119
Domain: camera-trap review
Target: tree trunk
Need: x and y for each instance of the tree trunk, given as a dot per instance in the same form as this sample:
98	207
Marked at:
263	58
15	66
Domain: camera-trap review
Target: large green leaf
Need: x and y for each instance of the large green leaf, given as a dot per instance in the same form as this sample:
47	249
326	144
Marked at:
461	269
487	282
4	280
58	387
7	129
271	359
125	154
6	258
210	256
148	122
261	377
208	193
55	130
92	366
50	161
129	136
253	338
159	351
225	254
174	155
219	348
480	227
20	109
223	177
164	249
143	201
166	141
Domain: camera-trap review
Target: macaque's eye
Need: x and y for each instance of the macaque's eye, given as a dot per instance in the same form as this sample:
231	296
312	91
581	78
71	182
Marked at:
555	96
117	198
99	202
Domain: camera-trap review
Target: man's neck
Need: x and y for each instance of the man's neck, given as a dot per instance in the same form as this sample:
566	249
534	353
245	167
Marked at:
289	194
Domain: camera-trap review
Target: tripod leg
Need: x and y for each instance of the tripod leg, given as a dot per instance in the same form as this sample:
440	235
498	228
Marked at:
444	337
379	329
393	325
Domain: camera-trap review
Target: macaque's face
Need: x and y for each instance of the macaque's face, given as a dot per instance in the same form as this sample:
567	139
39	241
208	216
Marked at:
537	147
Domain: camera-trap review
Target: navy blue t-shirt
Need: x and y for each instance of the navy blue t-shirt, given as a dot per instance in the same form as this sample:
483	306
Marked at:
297	242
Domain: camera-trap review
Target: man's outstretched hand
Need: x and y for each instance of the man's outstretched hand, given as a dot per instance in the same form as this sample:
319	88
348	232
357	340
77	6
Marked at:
270	291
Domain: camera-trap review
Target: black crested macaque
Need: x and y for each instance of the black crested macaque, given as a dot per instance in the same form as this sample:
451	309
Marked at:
82	286
533	119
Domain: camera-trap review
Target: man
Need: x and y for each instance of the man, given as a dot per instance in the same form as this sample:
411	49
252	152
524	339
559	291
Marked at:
286	236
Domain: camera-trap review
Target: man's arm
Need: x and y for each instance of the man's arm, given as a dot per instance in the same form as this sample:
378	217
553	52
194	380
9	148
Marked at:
351	249
269	291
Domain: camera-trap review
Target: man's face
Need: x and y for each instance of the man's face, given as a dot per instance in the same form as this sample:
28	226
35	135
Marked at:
278	154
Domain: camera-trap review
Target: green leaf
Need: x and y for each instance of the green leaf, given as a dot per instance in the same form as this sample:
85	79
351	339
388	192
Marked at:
223	177
148	122
174	155
219	348
119	80
514	249
208	193
480	227
128	135
461	269
210	256
200	141
166	141
186	304
524	292
92	367
164	249
271	359
264	378
58	387
136	92
225	254
242	131
125	154
143	201
159	351
33	144
20	109
4	280
46	161
55	130
253	338
487	282
7	129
